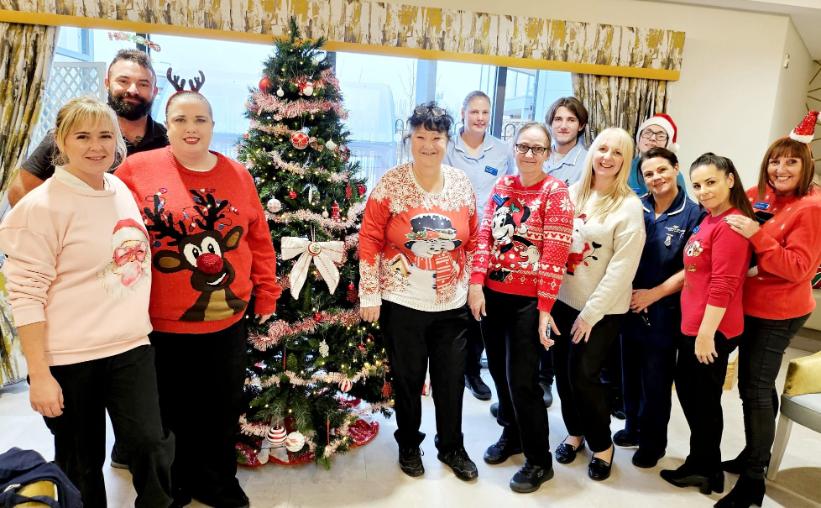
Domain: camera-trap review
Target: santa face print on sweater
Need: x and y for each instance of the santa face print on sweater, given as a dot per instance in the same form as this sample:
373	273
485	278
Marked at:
130	263
202	253
431	240
510	247
581	250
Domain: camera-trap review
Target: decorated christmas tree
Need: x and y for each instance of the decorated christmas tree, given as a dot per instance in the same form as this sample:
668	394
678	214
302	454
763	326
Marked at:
317	370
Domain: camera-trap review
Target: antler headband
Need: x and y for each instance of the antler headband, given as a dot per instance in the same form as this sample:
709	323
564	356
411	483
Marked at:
194	85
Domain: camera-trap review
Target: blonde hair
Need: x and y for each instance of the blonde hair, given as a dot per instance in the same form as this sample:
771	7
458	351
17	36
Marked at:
613	197
79	111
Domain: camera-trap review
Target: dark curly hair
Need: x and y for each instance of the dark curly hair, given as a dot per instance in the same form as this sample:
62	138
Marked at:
431	117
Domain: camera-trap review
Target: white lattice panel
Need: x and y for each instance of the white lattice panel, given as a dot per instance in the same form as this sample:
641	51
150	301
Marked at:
67	80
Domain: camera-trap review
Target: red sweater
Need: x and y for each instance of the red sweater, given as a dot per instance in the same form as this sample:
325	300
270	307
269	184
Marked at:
524	239
715	261
211	246
788	252
415	247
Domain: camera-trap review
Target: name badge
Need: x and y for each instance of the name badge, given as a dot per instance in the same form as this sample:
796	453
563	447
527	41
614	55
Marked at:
761	205
493	171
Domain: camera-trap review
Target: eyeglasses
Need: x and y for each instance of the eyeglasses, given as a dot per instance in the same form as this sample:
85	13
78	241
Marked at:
523	149
648	134
434	111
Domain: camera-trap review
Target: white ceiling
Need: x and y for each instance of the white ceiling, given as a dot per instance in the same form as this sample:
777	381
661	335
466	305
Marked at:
805	14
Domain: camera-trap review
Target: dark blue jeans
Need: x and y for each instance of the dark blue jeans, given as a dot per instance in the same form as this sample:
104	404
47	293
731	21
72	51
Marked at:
760	352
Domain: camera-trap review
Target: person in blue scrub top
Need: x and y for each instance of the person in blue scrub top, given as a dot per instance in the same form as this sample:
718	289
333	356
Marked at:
484	159
657	131
566	119
649	332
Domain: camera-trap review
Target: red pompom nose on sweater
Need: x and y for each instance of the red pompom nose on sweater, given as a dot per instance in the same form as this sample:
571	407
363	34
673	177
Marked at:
209	263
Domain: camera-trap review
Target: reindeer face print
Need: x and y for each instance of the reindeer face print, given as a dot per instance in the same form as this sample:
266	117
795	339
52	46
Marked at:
203	254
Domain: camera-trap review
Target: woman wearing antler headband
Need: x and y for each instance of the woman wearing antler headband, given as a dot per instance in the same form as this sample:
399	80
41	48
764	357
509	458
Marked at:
212	250
786	239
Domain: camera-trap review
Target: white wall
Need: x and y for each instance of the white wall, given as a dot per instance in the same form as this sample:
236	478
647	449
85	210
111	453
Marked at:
733	94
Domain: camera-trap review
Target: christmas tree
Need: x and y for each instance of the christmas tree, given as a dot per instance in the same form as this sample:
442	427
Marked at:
317	369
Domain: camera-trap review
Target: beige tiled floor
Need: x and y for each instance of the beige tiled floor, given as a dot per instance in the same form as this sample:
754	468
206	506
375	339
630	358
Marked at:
370	477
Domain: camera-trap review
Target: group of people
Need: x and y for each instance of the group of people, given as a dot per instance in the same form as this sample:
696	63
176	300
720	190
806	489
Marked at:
548	254
556	257
158	345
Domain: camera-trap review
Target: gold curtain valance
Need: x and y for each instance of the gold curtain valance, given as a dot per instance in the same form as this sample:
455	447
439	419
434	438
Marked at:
386	28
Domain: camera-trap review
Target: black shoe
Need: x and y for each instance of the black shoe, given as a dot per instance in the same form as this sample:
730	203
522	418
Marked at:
646	459
747	492
494	410
410	461
565	453
685	476
529	478
599	469
118	459
501	450
460	463
547	393
736	465
477	387
618	414
626	439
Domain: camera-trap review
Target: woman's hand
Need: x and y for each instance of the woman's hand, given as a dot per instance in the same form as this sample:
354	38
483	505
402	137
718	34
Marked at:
476	301
706	348
46	396
580	330
641	299
369	314
742	225
545	321
262	318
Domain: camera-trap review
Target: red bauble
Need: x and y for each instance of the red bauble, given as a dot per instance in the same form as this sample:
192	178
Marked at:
335	211
387	389
361	189
300	140
348	191
352	294
317	316
292	194
264	84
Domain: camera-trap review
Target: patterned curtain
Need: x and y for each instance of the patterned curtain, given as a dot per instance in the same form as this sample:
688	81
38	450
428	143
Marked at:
618	102
26	52
25	56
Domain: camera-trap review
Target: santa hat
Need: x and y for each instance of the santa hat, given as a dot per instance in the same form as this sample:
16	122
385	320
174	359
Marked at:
664	121
128	229
804	132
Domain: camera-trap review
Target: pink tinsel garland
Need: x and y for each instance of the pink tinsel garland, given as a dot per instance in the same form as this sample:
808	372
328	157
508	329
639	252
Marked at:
297	169
280	329
262	101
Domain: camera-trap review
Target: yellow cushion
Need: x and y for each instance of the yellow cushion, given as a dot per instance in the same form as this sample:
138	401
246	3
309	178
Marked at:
41	488
804	375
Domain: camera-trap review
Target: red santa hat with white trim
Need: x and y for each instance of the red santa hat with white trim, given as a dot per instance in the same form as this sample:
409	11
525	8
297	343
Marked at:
666	122
804	132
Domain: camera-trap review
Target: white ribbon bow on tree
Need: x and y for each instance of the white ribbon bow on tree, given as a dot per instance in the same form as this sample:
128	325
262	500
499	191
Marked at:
325	255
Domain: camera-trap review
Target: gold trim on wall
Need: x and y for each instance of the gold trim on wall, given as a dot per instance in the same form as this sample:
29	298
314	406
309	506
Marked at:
368	26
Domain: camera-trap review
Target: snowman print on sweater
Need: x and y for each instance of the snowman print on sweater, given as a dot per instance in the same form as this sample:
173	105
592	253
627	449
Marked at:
581	251
511	249
431	263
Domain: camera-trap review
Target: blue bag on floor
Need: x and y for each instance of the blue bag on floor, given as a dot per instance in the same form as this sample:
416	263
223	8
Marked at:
19	468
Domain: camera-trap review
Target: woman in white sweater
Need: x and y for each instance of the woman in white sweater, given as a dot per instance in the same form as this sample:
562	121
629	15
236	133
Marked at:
608	236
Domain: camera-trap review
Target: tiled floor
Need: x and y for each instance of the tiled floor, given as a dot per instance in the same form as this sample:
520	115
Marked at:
370	476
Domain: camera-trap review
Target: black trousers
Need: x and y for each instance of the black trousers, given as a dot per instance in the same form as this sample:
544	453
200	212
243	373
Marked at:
200	379
699	388
413	339
126	386
511	328
585	409
474	345
648	368
760	351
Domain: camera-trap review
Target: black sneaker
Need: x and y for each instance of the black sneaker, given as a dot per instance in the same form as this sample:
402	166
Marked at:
460	463
494	410
626	439
501	450
477	387
410	461
529	478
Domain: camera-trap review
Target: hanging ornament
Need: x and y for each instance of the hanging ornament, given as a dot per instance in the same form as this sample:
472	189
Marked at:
325	214
345	385
306	88
324	350
352	294
324	255
264	84
316	145
387	389
245	135
330	145
344	153
299	140
361	189
292	193
335	211
318	317
294	442
273	205
348	191
313	193
276	436
280	92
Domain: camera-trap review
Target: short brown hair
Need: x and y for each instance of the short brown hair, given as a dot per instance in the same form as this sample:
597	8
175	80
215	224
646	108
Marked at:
136	56
788	147
574	105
